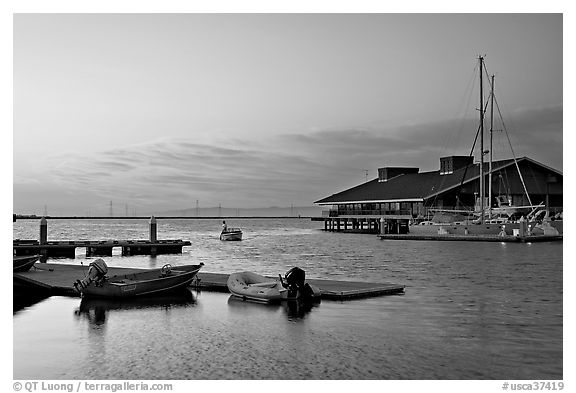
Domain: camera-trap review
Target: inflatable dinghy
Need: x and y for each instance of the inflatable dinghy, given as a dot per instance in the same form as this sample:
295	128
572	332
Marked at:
252	286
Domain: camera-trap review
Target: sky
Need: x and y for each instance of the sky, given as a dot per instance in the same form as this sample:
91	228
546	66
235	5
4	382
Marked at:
157	111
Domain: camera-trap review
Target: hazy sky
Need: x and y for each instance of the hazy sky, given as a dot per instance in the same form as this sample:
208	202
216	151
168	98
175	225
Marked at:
253	110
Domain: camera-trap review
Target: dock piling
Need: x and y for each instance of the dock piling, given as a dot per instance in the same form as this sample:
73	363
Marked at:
153	230
43	231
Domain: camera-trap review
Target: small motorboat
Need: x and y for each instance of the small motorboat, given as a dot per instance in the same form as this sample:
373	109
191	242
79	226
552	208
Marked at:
231	234
24	263
146	283
252	286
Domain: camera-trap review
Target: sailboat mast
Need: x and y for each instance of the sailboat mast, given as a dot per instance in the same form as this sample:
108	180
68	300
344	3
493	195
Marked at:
490	165
481	60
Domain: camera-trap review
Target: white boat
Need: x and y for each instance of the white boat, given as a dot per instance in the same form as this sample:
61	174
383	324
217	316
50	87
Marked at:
231	234
254	287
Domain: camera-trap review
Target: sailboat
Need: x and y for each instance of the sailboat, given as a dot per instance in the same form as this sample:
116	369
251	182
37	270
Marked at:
485	218
505	209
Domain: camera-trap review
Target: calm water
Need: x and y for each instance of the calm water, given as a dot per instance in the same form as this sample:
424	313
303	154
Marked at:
470	311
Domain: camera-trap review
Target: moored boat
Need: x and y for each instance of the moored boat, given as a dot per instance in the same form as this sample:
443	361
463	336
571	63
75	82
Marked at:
146	283
24	263
252	286
487	218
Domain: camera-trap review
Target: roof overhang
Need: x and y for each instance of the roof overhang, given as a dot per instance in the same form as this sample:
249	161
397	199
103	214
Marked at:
440	191
373	201
477	177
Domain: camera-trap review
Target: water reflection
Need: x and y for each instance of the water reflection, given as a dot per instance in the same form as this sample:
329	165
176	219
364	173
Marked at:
96	310
471	310
22	300
239	306
294	309
298	309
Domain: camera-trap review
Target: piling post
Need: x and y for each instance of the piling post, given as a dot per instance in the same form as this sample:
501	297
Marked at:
522	225
153	230
43	230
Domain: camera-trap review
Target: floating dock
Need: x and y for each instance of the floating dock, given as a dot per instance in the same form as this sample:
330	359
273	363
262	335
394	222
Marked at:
57	279
476	238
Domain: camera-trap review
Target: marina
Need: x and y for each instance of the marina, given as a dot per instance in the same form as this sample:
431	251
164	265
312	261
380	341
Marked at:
461	193
359	196
57	279
498	318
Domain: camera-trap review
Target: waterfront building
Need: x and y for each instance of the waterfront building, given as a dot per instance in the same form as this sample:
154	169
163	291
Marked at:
403	194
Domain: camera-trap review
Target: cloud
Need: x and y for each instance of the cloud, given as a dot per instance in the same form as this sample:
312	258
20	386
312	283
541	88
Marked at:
421	145
174	173
281	170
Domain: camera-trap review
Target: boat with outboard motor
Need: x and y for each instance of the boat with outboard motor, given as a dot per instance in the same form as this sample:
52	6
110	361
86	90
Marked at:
252	286
24	263
146	283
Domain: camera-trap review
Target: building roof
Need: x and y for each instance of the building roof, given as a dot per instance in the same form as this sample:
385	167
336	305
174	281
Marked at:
416	187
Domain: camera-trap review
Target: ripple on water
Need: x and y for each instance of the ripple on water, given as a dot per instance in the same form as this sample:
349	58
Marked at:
470	311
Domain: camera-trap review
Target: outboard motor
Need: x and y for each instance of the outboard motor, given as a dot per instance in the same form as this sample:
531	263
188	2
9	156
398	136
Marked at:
96	272
295	279
295	282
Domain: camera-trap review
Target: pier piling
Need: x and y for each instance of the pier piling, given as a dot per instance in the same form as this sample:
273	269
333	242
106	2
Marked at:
153	229
43	231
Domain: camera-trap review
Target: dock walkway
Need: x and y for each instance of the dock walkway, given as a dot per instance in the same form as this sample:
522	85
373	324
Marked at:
57	279
98	247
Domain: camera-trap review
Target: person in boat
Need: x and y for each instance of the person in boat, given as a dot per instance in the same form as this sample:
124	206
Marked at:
224	226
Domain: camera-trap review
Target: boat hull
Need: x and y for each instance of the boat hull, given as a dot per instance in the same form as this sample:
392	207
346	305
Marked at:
148	283
510	228
459	229
231	236
252	286
24	263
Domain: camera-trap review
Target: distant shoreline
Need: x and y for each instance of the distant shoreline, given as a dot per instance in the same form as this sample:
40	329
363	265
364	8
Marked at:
157	217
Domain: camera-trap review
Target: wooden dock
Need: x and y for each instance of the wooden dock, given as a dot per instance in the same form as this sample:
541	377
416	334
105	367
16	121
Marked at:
57	279
67	249
476	238
98	248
